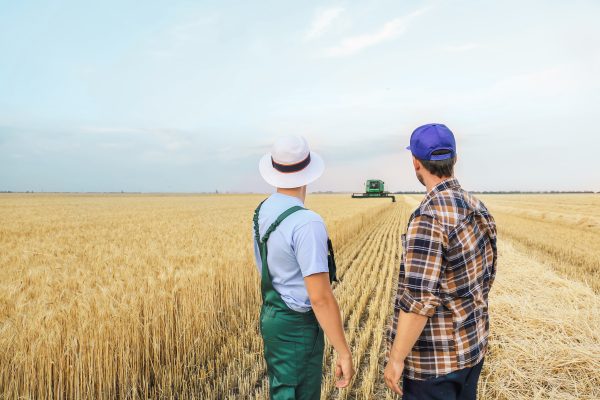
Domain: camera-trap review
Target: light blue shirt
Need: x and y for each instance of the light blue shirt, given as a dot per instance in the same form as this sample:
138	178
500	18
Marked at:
296	249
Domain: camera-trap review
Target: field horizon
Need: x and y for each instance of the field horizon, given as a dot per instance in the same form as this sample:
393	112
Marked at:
584	192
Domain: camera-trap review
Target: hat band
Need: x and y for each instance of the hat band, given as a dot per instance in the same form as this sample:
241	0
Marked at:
287	168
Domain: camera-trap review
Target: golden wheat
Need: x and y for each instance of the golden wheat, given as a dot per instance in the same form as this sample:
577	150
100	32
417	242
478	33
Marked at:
139	296
136	296
563	230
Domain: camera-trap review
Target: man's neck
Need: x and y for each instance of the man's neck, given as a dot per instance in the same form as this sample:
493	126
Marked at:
434	180
295	192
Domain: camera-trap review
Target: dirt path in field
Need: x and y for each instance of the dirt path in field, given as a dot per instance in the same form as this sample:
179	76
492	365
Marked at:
365	300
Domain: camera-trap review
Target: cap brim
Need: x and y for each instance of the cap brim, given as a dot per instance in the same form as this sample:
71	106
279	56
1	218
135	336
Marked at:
291	179
407	147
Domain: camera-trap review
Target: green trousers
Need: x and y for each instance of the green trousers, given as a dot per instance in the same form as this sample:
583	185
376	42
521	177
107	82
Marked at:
294	346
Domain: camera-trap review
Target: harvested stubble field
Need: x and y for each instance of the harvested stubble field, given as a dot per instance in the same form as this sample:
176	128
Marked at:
140	296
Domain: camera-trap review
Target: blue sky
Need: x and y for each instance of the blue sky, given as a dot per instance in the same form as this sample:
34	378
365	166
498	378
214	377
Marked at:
186	96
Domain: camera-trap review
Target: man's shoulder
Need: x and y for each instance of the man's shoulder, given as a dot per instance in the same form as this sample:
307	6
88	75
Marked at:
275	206
437	204
478	204
307	223
306	217
448	207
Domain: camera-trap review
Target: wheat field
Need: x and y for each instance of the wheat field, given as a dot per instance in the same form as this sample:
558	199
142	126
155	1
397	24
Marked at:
156	296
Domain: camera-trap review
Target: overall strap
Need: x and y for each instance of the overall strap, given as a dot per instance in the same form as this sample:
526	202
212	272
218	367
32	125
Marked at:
255	219
269	294
274	225
279	220
331	262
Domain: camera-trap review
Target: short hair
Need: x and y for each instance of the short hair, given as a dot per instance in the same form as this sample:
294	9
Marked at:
440	168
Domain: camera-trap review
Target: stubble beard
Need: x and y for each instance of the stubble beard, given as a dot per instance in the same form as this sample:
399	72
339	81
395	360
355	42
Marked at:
420	178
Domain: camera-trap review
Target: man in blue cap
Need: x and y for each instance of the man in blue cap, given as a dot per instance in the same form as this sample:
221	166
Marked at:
439	335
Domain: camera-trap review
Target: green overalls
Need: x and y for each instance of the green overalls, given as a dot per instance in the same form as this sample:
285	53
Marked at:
293	341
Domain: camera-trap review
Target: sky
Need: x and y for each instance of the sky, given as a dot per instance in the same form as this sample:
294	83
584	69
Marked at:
186	96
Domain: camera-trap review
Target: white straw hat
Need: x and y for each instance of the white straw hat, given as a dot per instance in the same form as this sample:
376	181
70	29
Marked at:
290	163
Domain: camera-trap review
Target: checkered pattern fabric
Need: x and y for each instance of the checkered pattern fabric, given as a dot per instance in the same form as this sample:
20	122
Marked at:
447	269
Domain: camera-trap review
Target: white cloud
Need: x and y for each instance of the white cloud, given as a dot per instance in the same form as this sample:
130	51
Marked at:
546	82
389	30
460	48
322	21
113	145
238	152
187	33
177	145
194	28
111	130
563	88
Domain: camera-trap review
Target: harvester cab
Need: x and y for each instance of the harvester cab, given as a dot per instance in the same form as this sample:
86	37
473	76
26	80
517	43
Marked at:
374	189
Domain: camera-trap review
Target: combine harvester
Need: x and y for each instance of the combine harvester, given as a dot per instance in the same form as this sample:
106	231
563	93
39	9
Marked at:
374	189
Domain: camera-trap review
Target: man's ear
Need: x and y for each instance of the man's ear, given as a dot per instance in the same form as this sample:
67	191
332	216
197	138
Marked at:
416	163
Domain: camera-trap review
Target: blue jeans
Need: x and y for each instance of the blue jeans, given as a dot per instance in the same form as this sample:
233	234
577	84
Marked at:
457	385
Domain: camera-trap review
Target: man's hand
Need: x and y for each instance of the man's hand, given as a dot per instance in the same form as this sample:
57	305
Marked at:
328	313
344	370
393	374
410	326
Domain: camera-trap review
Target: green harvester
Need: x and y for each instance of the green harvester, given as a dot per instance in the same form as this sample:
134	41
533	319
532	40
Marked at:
374	189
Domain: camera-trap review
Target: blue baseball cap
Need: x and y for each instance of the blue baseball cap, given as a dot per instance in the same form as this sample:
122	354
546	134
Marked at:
429	138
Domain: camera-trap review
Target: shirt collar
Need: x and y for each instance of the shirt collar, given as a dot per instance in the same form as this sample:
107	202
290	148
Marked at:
289	198
448	183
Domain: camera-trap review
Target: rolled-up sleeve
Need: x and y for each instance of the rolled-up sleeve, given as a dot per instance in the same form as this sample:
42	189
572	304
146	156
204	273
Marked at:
310	247
422	263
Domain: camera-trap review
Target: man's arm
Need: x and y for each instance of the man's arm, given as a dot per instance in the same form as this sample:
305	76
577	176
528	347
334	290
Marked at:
410	326
310	248
328	314
425	241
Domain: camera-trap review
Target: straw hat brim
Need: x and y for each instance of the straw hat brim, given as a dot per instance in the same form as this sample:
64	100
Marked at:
291	179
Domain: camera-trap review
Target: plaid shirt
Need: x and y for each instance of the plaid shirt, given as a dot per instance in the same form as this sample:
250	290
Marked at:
448	266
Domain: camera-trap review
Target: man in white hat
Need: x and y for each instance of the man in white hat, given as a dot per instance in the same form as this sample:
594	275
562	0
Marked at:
295	259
